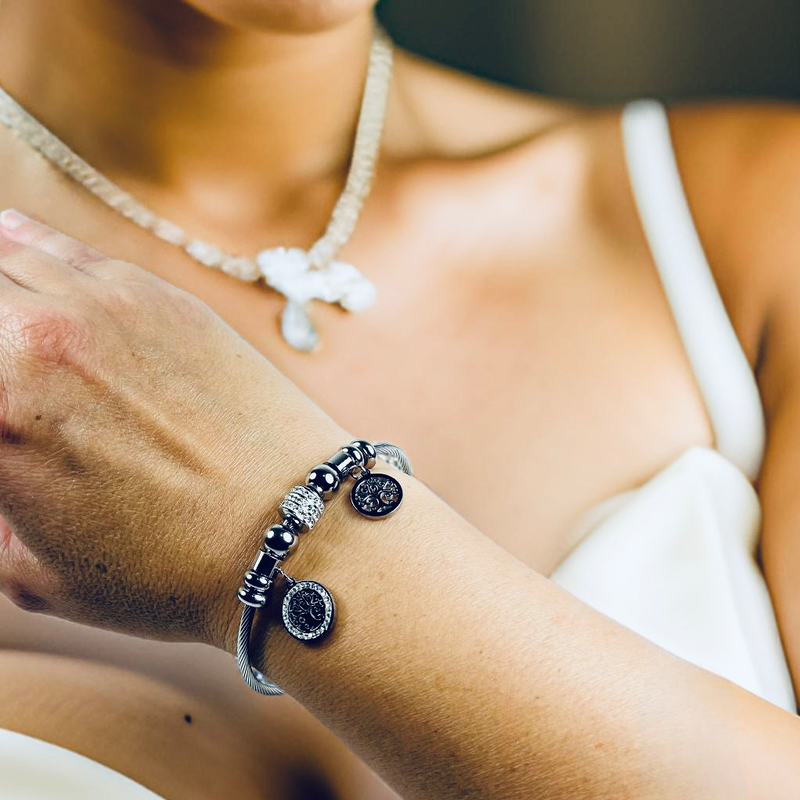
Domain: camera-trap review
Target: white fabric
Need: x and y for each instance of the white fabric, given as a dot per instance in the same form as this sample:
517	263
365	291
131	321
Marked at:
675	560
31	769
676	564
720	366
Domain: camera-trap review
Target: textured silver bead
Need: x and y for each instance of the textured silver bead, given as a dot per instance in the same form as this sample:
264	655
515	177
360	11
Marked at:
304	504
395	456
369	452
325	480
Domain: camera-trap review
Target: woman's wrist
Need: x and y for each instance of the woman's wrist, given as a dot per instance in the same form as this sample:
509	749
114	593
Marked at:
266	488
323	554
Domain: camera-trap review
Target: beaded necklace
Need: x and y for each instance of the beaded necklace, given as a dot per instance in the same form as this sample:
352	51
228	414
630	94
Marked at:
299	275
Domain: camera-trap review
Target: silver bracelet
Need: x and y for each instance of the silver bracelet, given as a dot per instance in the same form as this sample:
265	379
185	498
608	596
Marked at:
308	611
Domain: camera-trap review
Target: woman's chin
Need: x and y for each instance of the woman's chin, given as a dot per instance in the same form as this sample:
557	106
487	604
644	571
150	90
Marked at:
289	16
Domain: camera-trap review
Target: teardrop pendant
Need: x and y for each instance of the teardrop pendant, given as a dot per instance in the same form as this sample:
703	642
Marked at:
297	328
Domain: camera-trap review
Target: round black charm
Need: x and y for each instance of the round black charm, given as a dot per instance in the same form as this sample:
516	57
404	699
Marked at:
376	495
308	610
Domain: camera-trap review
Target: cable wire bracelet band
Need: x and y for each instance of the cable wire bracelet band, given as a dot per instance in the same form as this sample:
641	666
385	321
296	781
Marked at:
308	611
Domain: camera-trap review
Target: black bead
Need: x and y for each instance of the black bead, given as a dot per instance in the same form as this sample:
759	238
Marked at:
325	480
279	538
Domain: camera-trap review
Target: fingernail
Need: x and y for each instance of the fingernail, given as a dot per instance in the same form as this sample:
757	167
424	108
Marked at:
11	219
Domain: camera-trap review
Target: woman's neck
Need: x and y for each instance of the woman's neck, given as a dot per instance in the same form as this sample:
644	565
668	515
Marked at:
157	92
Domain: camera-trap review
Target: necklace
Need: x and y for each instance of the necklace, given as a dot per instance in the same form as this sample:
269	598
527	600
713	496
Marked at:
299	275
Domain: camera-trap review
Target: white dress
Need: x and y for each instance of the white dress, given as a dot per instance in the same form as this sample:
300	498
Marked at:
674	560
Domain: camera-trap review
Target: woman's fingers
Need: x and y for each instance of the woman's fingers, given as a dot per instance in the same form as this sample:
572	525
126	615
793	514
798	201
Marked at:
25	261
22	229
7	279
69	258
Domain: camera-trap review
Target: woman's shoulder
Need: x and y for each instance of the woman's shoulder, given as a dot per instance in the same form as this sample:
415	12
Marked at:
740	166
452	114
739	162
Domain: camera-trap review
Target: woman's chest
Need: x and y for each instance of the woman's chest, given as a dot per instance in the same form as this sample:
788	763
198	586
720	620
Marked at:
523	398
524	357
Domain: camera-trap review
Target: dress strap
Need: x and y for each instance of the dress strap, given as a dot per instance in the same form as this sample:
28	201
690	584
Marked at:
720	366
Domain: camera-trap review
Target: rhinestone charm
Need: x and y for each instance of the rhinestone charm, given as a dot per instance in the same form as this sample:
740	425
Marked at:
376	495
308	611
304	504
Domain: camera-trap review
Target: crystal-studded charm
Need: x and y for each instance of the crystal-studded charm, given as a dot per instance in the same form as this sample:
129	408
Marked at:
308	611
304	504
376	495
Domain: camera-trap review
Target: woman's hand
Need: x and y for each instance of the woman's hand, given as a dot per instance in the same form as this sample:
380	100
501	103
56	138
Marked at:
144	445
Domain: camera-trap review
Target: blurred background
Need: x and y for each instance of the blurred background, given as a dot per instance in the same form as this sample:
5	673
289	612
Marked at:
606	51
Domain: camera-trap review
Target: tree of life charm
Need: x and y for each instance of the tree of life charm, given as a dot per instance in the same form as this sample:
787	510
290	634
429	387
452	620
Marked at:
376	495
308	611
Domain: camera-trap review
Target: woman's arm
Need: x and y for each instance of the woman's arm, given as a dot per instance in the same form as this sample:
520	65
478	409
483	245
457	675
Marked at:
138	471
776	205
456	671
741	167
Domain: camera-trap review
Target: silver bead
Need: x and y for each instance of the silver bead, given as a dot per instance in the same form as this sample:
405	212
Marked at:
368	451
342	462
280	539
303	504
291	523
355	452
325	480
257	581
266	563
251	597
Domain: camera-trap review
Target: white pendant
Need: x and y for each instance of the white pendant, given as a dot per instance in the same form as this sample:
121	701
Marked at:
289	271
297	327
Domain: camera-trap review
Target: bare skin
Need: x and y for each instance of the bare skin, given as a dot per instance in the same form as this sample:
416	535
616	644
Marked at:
515	268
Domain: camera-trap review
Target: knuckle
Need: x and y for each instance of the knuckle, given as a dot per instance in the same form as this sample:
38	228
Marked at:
188	306
59	246
123	270
44	334
171	304
134	291
124	303
77	255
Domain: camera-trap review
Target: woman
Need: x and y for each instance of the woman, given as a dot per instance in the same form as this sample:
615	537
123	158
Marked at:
535	371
